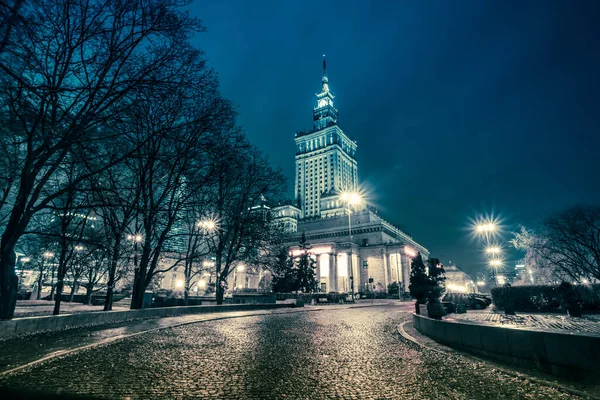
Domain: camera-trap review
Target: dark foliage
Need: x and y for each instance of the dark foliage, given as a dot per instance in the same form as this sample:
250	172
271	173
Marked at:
546	298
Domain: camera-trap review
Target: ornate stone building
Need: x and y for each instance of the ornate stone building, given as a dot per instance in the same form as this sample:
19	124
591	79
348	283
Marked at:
351	246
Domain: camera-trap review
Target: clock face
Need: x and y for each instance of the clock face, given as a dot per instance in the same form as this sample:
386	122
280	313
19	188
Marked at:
322	103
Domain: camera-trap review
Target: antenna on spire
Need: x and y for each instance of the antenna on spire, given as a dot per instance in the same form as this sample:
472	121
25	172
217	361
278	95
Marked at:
324	67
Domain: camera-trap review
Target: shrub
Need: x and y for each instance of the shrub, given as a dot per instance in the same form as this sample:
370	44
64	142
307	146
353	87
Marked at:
545	298
332	297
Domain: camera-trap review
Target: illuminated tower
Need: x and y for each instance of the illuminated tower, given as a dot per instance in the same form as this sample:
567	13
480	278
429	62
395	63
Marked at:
325	157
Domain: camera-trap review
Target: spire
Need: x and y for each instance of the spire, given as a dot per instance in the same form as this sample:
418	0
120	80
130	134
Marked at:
324	114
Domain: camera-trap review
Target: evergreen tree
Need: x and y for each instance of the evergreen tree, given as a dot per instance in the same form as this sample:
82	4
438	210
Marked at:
284	274
306	268
420	284
437	278
291	275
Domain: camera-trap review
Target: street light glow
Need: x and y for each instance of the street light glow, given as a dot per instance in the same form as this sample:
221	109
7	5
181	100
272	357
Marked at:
351	198
493	250
486	227
496	263
207	224
241	267
48	254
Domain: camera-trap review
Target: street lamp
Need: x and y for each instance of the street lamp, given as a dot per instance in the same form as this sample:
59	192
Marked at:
208	225
496	264
351	199
46	255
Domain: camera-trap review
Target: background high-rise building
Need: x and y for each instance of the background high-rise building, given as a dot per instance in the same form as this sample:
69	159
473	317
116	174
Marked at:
325	157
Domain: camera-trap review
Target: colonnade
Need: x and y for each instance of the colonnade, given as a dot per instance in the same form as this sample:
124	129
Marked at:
334	272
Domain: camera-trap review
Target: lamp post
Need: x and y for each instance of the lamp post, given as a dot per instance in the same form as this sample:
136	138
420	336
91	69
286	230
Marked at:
45	255
240	268
495	263
206	226
486	228
135	239
23	261
351	199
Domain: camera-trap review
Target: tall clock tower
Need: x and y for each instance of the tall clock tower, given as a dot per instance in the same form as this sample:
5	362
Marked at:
325	157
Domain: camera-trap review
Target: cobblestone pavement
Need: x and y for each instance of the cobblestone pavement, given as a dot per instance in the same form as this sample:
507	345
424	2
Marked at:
586	324
331	354
20	350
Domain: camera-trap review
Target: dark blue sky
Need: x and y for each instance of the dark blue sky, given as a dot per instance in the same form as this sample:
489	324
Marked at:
459	108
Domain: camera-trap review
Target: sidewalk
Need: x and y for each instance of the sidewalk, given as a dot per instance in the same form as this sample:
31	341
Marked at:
585	324
36	308
582	387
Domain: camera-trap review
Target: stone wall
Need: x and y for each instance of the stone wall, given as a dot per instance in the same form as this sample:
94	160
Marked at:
551	351
19	326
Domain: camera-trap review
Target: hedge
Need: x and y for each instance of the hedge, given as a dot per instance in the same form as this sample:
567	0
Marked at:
545	298
307	297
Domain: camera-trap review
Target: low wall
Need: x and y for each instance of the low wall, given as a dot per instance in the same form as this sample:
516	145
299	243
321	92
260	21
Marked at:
551	351
19	326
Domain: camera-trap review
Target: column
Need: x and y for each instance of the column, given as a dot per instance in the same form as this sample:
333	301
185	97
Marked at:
406	260
356	272
318	273
333	275
350	273
386	267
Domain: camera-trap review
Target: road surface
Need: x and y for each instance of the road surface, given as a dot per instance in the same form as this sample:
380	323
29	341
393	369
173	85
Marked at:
339	353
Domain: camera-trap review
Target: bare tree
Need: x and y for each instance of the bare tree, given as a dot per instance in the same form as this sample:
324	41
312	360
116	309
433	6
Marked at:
95	271
568	244
198	229
572	241
533	245
10	20
176	131
72	69
243	179
116	195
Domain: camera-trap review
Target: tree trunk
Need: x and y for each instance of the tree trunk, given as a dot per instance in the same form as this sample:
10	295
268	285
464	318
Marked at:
108	303
52	285
72	292
40	283
186	295
89	289
137	297
9	282
59	289
220	290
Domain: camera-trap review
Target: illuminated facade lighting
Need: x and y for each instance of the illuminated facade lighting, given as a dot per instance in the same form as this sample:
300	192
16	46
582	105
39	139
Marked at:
314	250
409	251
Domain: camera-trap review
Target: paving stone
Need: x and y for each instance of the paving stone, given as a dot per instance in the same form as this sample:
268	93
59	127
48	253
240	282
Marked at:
341	354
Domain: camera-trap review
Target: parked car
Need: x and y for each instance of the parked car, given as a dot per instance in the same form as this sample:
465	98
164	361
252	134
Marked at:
483	297
469	300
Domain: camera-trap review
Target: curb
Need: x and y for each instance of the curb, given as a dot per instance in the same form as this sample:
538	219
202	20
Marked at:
538	381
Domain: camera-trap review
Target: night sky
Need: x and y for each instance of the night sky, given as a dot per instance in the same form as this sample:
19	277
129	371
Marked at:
460	108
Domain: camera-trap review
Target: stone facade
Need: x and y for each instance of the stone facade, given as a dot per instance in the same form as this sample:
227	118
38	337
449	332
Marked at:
379	251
